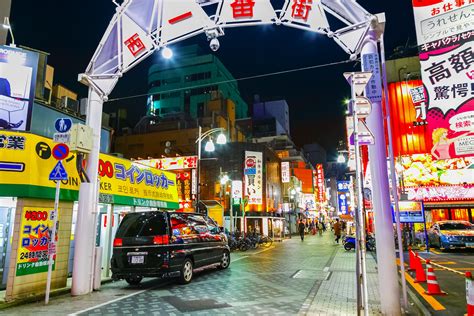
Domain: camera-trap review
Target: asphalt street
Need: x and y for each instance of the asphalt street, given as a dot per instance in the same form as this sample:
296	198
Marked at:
460	261
284	279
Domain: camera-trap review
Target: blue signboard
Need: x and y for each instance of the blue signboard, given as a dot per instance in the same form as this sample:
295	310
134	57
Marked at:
58	173
63	124
373	91
410	212
343	186
343	202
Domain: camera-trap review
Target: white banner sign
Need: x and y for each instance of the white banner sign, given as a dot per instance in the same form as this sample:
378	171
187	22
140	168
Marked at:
253	175
442	19
237	189
285	172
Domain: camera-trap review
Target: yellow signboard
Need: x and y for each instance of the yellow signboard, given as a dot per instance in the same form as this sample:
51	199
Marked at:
26	162
35	236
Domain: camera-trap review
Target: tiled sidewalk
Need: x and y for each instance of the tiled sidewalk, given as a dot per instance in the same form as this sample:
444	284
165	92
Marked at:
336	295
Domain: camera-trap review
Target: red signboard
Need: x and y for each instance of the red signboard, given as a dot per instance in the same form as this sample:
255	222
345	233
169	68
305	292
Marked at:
320	183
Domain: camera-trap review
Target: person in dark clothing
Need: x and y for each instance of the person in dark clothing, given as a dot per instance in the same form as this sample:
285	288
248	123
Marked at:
337	230
301	228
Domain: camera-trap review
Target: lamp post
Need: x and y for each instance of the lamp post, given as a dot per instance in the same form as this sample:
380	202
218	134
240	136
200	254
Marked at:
221	140
224	181
6	25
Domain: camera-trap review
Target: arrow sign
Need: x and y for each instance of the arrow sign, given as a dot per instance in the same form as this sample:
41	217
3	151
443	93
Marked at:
58	173
363	107
365	137
358	81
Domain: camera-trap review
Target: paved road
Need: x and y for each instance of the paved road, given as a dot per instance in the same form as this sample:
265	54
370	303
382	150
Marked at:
452	283
314	277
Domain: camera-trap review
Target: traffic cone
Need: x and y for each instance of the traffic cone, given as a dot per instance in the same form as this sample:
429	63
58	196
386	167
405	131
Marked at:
433	286
470	294
412	260
420	272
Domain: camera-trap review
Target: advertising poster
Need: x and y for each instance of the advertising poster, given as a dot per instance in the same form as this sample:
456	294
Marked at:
427	179
172	163
253	175
309	202
35	237
184	186
410	212
27	162
438	19
18	70
445	37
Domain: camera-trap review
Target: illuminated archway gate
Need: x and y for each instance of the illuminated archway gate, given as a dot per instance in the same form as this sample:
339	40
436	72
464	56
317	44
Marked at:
141	27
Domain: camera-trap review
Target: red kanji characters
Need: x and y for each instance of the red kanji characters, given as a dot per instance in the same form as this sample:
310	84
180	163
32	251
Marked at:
243	8
459	3
447	7
135	45
301	9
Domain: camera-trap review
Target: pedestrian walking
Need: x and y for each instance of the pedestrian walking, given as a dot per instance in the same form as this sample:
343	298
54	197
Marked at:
320	228
301	228
337	230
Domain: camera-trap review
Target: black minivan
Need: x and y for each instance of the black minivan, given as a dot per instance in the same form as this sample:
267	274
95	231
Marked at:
167	244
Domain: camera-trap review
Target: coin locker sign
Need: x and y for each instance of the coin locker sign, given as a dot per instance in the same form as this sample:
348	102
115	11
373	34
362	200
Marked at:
34	243
27	161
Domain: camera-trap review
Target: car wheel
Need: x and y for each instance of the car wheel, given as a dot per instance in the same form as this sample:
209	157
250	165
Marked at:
225	261
186	272
134	280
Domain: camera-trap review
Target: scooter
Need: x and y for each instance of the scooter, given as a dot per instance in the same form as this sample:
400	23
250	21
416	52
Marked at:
350	243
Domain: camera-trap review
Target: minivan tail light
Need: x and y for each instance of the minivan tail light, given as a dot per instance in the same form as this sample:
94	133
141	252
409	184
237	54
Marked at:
161	240
118	242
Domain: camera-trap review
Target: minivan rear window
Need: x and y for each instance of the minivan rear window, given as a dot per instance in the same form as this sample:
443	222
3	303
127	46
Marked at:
142	224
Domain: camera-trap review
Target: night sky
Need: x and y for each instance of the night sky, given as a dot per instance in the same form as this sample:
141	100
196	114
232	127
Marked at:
71	30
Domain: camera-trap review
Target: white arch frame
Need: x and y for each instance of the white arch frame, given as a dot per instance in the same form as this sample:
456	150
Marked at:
111	59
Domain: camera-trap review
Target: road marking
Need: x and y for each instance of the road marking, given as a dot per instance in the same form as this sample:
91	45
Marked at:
436	252
326	269
445	262
110	302
239	259
429	299
256	253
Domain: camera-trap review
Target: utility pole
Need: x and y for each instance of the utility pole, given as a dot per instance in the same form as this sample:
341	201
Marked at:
82	273
386	259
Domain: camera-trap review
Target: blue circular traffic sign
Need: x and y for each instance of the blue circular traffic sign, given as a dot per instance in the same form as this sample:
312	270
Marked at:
60	151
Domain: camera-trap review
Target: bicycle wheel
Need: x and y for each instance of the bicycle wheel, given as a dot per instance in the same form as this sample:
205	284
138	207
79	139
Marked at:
267	241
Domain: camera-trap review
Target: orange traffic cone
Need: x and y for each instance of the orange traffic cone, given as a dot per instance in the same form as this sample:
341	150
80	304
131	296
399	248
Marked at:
433	286
412	260
420	272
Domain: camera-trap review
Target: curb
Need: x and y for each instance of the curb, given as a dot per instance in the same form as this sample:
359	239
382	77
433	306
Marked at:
38	298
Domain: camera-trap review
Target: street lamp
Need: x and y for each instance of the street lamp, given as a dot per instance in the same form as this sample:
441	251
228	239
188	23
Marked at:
341	159
167	53
6	25
210	147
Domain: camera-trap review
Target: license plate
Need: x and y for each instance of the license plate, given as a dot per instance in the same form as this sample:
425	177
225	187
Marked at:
137	259
470	244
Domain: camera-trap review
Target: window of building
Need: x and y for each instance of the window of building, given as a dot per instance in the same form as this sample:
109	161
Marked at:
170	80
198	76
460	214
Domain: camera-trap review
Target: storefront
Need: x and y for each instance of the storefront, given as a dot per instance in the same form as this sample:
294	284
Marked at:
25	189
445	186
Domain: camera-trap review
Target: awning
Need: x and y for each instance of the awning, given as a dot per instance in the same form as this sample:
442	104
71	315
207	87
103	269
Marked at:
462	204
